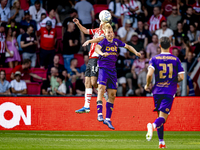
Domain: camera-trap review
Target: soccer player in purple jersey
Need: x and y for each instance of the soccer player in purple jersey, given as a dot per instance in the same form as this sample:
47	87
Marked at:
107	49
168	72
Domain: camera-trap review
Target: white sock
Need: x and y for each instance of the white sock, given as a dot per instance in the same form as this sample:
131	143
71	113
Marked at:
162	142
88	95
154	125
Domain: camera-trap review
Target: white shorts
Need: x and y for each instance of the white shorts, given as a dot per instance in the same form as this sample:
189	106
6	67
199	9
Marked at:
121	80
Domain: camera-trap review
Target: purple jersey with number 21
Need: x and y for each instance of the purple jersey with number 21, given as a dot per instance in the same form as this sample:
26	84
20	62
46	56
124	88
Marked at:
166	68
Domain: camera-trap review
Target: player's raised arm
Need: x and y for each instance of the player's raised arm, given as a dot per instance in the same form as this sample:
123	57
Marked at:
98	51
96	40
131	49
149	78
82	28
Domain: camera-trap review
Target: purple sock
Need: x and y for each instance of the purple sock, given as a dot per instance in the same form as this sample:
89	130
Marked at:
99	107
160	132
159	121
109	109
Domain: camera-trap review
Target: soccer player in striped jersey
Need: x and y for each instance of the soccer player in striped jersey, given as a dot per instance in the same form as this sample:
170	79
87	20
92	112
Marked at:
168	72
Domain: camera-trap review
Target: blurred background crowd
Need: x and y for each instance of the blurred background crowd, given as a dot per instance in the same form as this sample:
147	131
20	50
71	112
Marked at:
41	52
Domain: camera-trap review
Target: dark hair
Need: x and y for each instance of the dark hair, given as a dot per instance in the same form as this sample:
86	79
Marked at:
13	20
154	35
26	61
37	2
61	77
43	14
72	11
30	26
179	22
72	60
4	72
189	7
145	54
157	7
50	9
165	42
192	24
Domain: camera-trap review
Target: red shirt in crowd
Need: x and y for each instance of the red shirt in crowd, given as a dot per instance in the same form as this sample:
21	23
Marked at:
24	72
167	7
47	40
24	4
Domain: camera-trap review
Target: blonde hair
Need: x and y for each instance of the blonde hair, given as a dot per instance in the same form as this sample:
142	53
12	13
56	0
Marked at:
14	4
106	26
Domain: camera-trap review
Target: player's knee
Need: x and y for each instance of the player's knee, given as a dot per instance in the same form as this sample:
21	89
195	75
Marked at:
112	95
94	83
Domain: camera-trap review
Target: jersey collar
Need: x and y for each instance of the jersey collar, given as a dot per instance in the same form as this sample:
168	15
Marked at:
165	53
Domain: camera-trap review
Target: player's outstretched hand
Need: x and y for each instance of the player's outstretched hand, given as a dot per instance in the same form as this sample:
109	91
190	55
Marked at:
105	54
76	21
86	43
147	88
138	54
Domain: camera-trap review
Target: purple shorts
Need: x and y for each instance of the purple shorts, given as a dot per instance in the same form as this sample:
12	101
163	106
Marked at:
108	77
163	102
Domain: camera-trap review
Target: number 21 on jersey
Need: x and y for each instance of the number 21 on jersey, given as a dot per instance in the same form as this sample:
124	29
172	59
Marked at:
164	70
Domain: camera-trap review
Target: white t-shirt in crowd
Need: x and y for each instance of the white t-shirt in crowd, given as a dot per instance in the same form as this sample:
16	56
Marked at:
36	15
123	51
43	23
167	33
122	32
18	86
118	8
62	88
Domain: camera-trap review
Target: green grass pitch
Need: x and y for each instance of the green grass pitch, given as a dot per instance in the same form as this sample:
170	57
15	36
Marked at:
88	140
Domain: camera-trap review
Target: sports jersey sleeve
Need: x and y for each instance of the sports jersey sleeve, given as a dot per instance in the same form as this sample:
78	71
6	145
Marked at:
120	43
152	64
180	68
92	31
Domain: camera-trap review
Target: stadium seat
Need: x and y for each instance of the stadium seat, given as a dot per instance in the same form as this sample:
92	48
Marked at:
40	72
33	88
80	59
59	32
8	72
99	7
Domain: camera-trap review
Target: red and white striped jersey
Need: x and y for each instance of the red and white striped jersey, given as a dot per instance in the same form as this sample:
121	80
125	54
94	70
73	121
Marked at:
125	8
2	42
154	22
96	33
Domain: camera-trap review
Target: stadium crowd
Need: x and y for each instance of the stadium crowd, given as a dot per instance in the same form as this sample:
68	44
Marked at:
41	47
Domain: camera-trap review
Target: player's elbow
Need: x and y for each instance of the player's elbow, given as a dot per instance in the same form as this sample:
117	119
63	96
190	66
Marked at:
181	76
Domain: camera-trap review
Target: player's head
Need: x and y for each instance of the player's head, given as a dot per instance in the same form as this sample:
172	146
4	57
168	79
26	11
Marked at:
165	43
107	29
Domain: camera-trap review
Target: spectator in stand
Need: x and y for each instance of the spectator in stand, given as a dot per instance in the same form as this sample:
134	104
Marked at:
173	19
155	20
21	30
4	11
188	19
122	51
164	31
73	70
141	82
62	87
125	32
52	15
28	44
73	14
56	64
115	7
185	47
128	8
150	4
182	7
193	35
24	4
47	44
178	35
83	67
136	44
137	68
166	8
3	46
17	13
26	72
158	50
189	61
143	34
175	52
80	86
4	84
70	45
53	81
67	83
36	10
43	16
152	47
12	45
121	73
18	86
27	22
85	12
196	8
